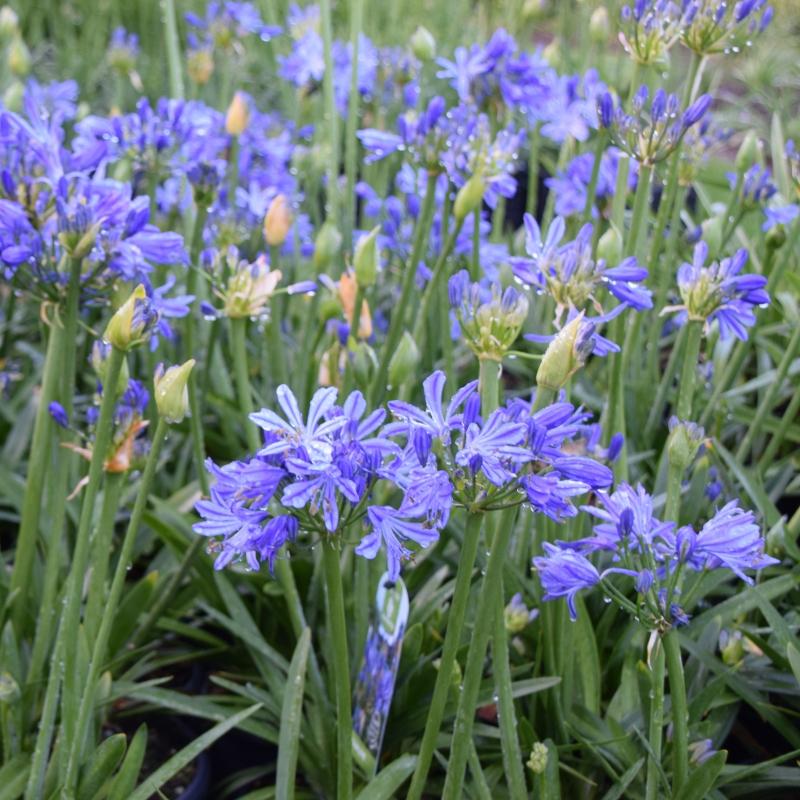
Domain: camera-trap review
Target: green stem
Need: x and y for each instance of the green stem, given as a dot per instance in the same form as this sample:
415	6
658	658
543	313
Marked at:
173	48
422	229
195	420
59	346
672	507
462	733
767	402
591	191
341	670
656	730
70	621
452	640
694	335
475	264
680	712
242	378
351	142
787	418
657	408
641	202
101	551
77	743
331	113
532	199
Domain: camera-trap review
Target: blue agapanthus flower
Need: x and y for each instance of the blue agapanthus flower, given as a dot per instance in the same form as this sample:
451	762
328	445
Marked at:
720	292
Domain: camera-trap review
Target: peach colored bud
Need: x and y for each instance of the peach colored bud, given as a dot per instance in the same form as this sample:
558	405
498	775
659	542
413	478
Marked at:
238	115
277	221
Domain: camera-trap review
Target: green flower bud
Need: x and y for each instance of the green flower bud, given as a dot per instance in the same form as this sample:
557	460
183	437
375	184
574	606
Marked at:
99	360
326	246
684	441
566	354
19	57
365	259
9	23
422	44
9	689
79	243
749	152
731	648
364	363
469	197
776	237
404	360
132	322
172	396
598	25
12	96
517	615
712	234
537	763
609	246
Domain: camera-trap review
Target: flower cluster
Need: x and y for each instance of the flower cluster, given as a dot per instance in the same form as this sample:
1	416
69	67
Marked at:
720	26
720	292
649	28
654	554
318	474
650	134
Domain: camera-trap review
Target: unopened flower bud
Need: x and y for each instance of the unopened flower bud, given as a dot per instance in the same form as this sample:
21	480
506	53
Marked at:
132	322
326	246
731	647
364	362
748	152
566	354
172	396
200	66
517	615
99	360
537	763
365	259
422	44
609	246
598	25
711	233
9	23
684	441
238	115
277	221
9	689
776	237
469	197
19	57
404	360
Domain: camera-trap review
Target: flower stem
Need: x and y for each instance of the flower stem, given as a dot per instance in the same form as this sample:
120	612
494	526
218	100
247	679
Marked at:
70	621
331	114
694	335
680	712
452	639
242	378
173	48
341	670
76	744
591	191
195	422
657	408
60	353
462	733
351	142
656	730
532	199
421	232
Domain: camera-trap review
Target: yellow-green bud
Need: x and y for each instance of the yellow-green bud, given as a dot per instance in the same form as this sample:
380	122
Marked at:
12	96
776	237
566	354
238	115
364	362
731	648
517	615
537	763
683	443
422	44
609	246
172	396
598	25
534	9
9	689
19	57
552	53
712	234
132	322
9	23
99	361
365	259
749	152
277	221
469	197
79	243
200	66
404	360
326	246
